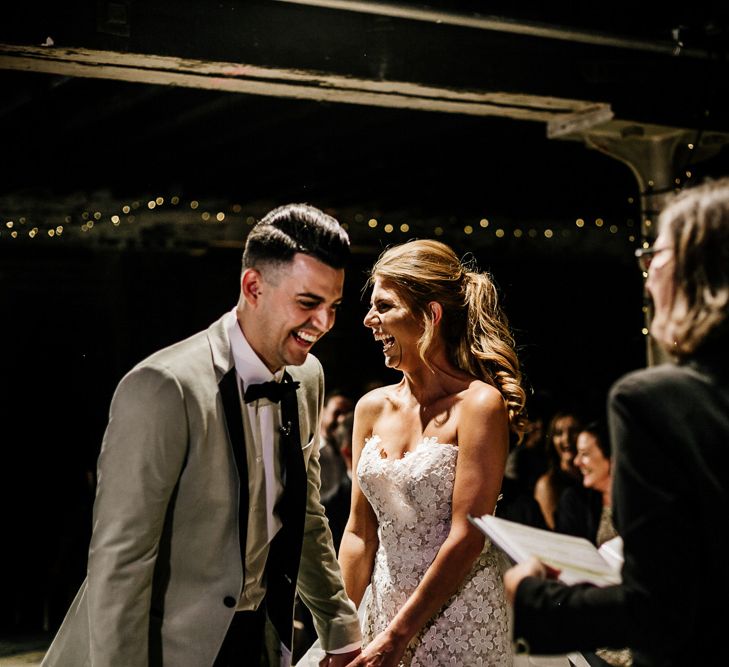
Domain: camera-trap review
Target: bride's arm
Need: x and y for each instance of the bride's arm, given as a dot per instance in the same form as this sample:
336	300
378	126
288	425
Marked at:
482	449
359	542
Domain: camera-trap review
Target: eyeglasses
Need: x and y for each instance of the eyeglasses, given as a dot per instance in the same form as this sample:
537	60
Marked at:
645	256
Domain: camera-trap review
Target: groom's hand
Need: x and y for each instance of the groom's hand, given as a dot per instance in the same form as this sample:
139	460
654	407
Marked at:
339	659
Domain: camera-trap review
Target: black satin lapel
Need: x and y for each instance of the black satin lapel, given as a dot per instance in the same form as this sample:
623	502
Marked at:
290	422
285	553
234	422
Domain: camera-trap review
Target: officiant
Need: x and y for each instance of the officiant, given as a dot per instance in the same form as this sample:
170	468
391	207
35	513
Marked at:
670	436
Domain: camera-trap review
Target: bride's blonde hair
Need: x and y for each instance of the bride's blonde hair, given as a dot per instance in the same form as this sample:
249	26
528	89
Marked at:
474	328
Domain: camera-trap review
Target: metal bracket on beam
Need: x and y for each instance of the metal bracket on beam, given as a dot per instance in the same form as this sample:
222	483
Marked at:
578	121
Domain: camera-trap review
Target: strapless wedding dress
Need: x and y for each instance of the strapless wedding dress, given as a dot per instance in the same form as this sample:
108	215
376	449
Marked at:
412	497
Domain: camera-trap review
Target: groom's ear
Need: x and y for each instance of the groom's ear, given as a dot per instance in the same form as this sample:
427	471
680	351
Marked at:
250	286
436	311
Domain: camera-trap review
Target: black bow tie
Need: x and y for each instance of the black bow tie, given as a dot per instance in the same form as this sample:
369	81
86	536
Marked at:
273	391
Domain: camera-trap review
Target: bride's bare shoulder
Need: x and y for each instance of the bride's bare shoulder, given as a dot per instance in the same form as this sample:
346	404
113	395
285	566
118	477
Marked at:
376	401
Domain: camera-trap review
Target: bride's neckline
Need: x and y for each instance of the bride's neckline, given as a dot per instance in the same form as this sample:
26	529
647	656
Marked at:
425	441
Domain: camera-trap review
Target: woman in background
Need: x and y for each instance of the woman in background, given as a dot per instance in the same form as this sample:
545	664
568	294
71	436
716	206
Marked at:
561	471
586	510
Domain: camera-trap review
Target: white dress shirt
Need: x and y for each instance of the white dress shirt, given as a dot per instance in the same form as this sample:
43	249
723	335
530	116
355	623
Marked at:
261	419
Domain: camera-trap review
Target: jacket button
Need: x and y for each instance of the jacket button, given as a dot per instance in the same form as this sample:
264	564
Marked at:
229	601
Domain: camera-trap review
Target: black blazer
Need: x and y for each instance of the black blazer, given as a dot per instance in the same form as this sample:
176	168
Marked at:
670	429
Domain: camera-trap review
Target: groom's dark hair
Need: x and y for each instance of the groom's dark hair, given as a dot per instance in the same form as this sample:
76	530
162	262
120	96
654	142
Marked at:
294	228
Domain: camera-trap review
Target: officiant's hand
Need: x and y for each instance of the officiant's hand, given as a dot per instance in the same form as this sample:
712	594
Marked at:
529	568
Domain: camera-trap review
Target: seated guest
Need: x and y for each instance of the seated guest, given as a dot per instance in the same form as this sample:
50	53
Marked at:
670	437
561	472
586	510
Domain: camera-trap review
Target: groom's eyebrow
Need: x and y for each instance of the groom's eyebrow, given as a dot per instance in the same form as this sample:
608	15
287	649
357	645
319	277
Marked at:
317	297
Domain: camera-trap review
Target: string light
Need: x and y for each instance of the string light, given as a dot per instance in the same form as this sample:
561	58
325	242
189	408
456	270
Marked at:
149	205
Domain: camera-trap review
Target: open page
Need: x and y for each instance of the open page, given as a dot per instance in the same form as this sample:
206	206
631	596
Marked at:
575	557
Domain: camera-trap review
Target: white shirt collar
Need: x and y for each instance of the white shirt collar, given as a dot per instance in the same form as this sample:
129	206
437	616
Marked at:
248	364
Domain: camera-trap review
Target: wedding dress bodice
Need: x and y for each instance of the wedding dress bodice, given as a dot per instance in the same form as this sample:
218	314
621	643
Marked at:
411	497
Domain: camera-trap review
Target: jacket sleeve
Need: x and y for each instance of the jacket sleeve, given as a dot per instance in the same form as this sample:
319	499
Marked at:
142	454
658	591
550	617
653	504
320	584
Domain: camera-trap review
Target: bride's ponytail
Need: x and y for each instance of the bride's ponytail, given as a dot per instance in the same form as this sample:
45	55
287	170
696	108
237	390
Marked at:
489	346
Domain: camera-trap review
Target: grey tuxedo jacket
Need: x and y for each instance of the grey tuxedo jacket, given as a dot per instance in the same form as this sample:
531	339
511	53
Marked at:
165	557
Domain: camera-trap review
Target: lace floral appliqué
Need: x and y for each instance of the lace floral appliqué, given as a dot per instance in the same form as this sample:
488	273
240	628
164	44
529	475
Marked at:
411	498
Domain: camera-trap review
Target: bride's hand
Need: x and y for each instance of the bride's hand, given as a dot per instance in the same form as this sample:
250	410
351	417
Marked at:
338	659
385	650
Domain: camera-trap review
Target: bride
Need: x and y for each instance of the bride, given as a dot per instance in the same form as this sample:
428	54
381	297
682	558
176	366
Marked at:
429	451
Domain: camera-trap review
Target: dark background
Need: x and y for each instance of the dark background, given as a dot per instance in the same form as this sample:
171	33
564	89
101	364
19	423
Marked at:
79	310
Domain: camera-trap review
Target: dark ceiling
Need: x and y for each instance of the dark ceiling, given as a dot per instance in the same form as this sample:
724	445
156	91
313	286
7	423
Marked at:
64	135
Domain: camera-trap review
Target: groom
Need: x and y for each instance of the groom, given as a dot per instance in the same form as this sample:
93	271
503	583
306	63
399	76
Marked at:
207	516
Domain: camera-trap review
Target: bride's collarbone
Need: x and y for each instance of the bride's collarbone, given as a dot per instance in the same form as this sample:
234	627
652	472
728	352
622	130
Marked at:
392	445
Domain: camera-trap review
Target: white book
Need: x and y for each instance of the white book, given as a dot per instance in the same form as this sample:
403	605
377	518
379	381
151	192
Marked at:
576	558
